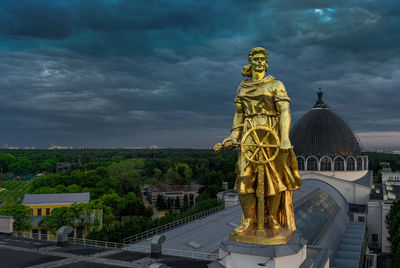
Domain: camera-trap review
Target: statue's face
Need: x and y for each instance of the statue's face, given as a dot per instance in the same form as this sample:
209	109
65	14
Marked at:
259	63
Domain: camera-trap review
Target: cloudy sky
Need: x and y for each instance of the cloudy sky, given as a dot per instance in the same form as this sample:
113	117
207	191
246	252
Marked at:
117	73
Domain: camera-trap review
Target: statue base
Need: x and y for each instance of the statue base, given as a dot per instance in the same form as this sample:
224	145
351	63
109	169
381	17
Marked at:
264	237
234	254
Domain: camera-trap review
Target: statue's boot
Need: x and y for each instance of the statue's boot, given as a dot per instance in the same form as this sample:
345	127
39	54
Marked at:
273	203
248	203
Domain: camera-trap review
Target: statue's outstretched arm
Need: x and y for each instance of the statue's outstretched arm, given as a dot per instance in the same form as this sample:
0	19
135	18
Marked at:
236	131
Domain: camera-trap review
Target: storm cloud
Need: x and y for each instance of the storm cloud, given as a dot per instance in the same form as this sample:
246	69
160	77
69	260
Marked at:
133	73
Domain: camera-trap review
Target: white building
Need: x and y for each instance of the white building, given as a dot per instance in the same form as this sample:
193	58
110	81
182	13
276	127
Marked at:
327	150
391	176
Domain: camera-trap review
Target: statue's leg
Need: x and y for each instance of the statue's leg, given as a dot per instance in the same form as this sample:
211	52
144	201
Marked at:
273	203
249	204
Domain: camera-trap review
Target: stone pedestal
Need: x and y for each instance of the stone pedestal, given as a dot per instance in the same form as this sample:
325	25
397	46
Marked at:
234	254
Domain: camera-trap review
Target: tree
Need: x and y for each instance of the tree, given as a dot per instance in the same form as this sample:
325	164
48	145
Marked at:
45	190
132	205
73	188
160	202
48	165
20	213
171	176
5	161
114	201
180	173
393	226
185	172
23	166
89	215
58	218
59	189
157	174
129	173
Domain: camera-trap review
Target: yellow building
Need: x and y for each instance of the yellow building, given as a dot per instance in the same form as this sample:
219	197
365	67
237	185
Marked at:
43	204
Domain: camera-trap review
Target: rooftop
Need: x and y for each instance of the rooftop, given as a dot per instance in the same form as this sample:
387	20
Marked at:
21	252
33	199
322	132
321	215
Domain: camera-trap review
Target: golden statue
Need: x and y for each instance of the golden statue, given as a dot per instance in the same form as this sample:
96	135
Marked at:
266	171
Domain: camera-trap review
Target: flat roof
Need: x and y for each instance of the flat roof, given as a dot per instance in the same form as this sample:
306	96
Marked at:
36	199
323	213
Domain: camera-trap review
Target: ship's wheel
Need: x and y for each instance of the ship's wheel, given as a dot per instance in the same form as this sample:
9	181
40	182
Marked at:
260	145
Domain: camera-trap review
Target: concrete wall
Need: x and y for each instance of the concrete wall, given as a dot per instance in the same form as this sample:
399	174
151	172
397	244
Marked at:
374	222
6	224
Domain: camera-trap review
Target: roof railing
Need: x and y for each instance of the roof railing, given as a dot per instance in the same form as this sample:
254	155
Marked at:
34	236
160	229
106	244
145	249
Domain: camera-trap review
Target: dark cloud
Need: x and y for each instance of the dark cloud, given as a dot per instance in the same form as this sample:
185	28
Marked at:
129	73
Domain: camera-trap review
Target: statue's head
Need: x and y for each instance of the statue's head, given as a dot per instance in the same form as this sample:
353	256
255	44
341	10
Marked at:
258	61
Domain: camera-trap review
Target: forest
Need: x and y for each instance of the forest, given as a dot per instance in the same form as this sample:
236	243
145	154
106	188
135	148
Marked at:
115	179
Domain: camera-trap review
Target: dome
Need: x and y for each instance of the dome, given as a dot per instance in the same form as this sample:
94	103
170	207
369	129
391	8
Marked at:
322	132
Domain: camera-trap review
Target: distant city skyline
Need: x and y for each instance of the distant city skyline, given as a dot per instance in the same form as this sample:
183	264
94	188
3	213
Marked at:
123	73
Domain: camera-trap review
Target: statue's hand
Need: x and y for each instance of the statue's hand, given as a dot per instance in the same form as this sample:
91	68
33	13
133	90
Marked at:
285	145
218	147
229	144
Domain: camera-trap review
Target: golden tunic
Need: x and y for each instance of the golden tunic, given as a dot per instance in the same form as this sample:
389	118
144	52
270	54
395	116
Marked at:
257	107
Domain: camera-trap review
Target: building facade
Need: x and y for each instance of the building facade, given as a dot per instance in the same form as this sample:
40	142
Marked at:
43	205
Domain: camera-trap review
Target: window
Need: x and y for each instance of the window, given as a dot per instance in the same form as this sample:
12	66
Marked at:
350	163
39	212
47	211
374	238
315	214
339	164
359	163
361	218
326	164
312	164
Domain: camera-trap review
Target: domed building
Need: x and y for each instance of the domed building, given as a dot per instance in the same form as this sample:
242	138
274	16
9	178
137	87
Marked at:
324	142
327	149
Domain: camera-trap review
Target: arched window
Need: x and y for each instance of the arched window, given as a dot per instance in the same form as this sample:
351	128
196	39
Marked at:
365	162
359	163
326	164
339	163
312	163
300	162
351	163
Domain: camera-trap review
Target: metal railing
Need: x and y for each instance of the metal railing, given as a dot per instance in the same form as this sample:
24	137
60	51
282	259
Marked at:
135	248
144	249
95	243
160	229
35	236
190	254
